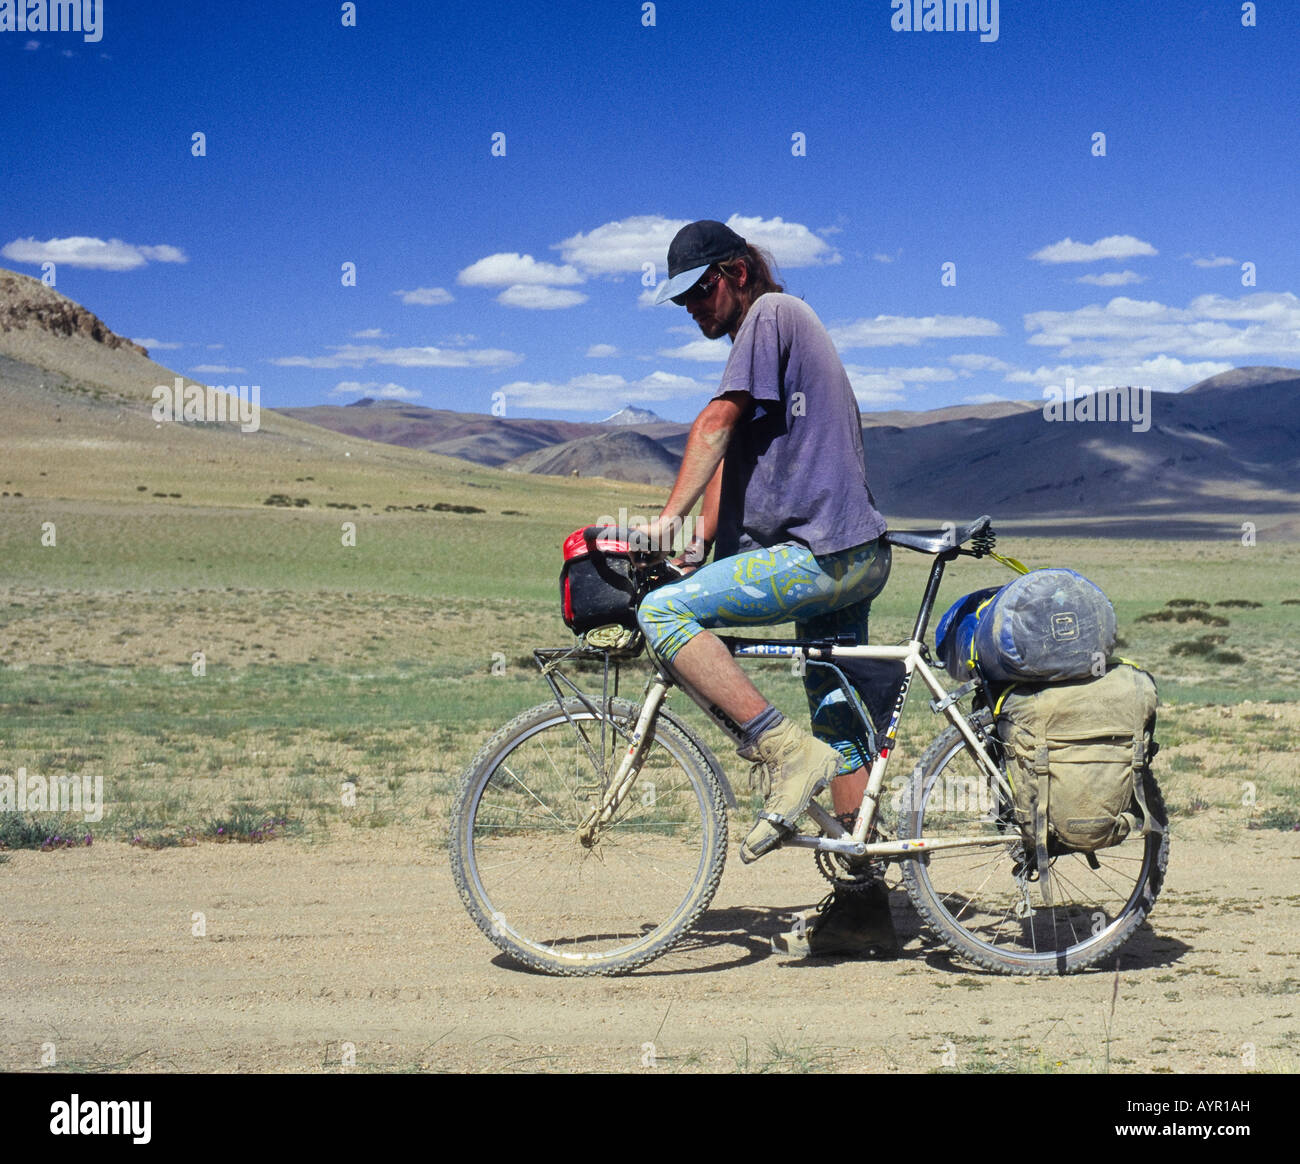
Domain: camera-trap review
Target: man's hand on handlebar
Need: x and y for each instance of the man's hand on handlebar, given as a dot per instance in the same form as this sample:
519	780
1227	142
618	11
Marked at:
697	550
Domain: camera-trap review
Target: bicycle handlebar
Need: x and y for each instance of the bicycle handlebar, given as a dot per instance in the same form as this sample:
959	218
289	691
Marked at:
637	541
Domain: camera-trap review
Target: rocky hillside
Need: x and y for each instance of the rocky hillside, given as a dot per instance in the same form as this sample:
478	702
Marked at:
27	304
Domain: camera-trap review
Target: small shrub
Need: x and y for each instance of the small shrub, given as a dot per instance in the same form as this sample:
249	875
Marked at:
1207	647
250	824
1182	616
1286	819
20	830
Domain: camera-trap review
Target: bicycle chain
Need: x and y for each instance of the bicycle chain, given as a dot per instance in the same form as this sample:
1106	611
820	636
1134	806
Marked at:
850	873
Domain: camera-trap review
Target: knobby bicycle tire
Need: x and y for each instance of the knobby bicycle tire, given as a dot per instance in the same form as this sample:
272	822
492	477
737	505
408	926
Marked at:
971	898
555	905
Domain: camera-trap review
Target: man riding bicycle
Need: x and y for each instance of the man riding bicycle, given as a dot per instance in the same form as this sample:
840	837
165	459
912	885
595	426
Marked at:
777	456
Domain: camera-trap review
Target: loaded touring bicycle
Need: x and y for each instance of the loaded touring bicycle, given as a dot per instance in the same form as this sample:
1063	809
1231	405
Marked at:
589	833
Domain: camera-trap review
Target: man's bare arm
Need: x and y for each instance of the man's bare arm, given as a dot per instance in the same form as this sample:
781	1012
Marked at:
705	448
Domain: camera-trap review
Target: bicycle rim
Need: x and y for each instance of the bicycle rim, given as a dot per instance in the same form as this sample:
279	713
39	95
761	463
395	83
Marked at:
981	900
563	907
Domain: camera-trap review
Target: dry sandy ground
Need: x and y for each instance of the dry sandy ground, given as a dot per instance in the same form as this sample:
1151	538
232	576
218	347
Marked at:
362	940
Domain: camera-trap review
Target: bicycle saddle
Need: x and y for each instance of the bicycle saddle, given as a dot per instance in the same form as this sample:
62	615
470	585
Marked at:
935	541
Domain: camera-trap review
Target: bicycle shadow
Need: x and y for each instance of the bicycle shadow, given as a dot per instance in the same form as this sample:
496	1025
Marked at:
722	939
1145	950
727	939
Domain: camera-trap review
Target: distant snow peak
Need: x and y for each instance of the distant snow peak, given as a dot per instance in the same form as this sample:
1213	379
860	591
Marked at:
629	414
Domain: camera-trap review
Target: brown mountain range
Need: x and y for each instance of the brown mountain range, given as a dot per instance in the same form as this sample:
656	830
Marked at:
75	395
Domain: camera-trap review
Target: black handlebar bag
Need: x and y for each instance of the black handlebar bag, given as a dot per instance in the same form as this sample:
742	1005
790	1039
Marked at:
596	586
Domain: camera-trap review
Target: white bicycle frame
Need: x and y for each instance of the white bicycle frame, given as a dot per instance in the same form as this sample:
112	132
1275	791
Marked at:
836	838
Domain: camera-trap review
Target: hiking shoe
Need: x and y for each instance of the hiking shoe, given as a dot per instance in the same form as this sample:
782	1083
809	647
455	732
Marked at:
848	921
790	768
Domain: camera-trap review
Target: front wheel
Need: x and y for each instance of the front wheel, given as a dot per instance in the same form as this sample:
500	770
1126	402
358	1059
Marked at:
985	901
608	906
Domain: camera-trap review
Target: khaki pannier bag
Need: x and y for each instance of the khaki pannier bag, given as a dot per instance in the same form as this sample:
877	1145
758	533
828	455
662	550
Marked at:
1076	757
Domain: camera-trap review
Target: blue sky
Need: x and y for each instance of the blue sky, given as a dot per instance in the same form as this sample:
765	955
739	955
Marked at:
522	274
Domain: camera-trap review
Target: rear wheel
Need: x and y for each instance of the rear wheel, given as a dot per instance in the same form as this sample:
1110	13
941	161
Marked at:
985	902
564	907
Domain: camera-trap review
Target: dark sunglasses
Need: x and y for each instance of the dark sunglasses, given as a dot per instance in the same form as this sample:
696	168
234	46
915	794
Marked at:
702	290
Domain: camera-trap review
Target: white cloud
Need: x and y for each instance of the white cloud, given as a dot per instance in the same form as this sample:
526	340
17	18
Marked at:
623	246
504	270
890	330
216	369
163	254
535	298
375	389
1112	279
1212	261
922	375
426	297
791	243
1161	374
157	345
92	253
601	351
706	351
592	392
361	355
1130	329
875	388
881	257
984	398
977	362
370	333
647	297
1114	246
619	247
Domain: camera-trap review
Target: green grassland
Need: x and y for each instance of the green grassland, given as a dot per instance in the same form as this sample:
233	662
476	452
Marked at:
383	665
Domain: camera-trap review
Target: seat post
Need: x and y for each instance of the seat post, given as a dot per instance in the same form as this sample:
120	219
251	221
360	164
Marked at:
931	593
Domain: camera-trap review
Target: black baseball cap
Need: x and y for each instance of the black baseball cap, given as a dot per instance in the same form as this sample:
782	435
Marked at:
694	249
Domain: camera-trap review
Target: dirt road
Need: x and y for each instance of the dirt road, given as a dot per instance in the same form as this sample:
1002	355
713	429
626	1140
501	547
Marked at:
355	954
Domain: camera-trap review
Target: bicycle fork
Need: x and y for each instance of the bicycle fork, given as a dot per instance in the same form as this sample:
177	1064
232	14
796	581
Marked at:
629	767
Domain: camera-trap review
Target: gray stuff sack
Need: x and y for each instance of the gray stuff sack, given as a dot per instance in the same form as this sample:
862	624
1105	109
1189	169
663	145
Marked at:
1046	626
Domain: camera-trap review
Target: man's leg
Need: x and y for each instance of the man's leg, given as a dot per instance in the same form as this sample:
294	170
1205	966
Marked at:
758	588
847	790
707	666
833	720
850	921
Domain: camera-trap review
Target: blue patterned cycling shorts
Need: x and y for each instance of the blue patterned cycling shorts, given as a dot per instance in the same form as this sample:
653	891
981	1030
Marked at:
823	595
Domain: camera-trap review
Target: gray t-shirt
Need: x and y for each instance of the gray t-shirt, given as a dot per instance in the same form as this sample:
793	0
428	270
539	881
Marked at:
794	470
